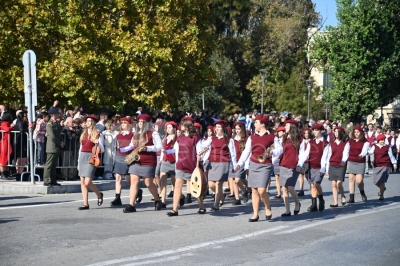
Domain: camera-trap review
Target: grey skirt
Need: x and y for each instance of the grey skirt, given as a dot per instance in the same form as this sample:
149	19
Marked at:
381	174
241	173
142	170
183	175
120	167
158	166
85	168
355	168
314	176
259	174
336	173
277	167
218	172
288	177
304	169
168	168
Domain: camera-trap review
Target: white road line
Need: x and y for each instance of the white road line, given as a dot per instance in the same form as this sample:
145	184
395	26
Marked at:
340	218
242	237
187	248
158	260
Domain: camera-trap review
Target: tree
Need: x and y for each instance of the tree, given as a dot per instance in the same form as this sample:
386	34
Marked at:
363	54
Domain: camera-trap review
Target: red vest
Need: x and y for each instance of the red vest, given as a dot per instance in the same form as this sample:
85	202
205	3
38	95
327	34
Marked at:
382	158
237	148
146	157
337	153
187	156
355	149
370	139
87	145
316	152
259	144
169	157
290	155
124	141
219	150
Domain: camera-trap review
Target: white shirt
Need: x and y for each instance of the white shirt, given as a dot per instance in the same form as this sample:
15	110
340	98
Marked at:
157	144
324	158
392	158
231	146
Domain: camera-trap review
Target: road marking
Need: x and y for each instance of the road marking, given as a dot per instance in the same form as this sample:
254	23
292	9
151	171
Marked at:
158	260
246	236
188	248
340	218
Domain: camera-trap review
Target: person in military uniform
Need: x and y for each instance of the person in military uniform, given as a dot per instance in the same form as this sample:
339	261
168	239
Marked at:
54	145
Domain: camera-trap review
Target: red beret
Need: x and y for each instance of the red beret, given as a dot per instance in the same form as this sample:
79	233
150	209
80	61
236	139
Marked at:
210	127
144	117
223	123
317	127
341	129
262	118
292	121
126	119
197	125
187	118
93	117
281	129
158	123
358	128
380	137
172	123
238	123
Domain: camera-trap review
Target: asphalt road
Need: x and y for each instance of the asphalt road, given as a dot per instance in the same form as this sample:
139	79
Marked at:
49	230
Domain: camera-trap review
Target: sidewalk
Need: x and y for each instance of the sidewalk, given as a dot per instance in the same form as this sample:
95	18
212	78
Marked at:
8	187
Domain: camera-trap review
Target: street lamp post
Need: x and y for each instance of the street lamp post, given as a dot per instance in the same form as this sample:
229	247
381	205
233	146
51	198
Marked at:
262	71
309	86
203	100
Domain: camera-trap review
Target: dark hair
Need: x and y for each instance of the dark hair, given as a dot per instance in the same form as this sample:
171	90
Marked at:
342	136
294	136
362	135
7	117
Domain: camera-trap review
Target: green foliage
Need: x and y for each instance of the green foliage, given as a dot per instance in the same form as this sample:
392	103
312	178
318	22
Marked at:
363	54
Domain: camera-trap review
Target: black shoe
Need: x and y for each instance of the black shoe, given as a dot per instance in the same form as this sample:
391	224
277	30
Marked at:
351	199
227	190
55	184
157	205
245	197
188	198
214	209
47	184
171	194
286	214
163	205
84	207
301	193
172	213
278	196
333	205
237	202
313	207
129	208
139	196
182	201
254	220
321	205
344	202
381	198
116	202
268	217
363	196
201	211
223	200
297	212
100	200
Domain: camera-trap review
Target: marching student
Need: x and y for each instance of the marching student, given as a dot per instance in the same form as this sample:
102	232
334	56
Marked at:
280	132
317	157
356	162
304	170
370	136
337	157
263	148
147	142
383	159
123	139
221	154
290	165
186	158
89	138
167	159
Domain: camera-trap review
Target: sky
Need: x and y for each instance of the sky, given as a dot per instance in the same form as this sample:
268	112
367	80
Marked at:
327	8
